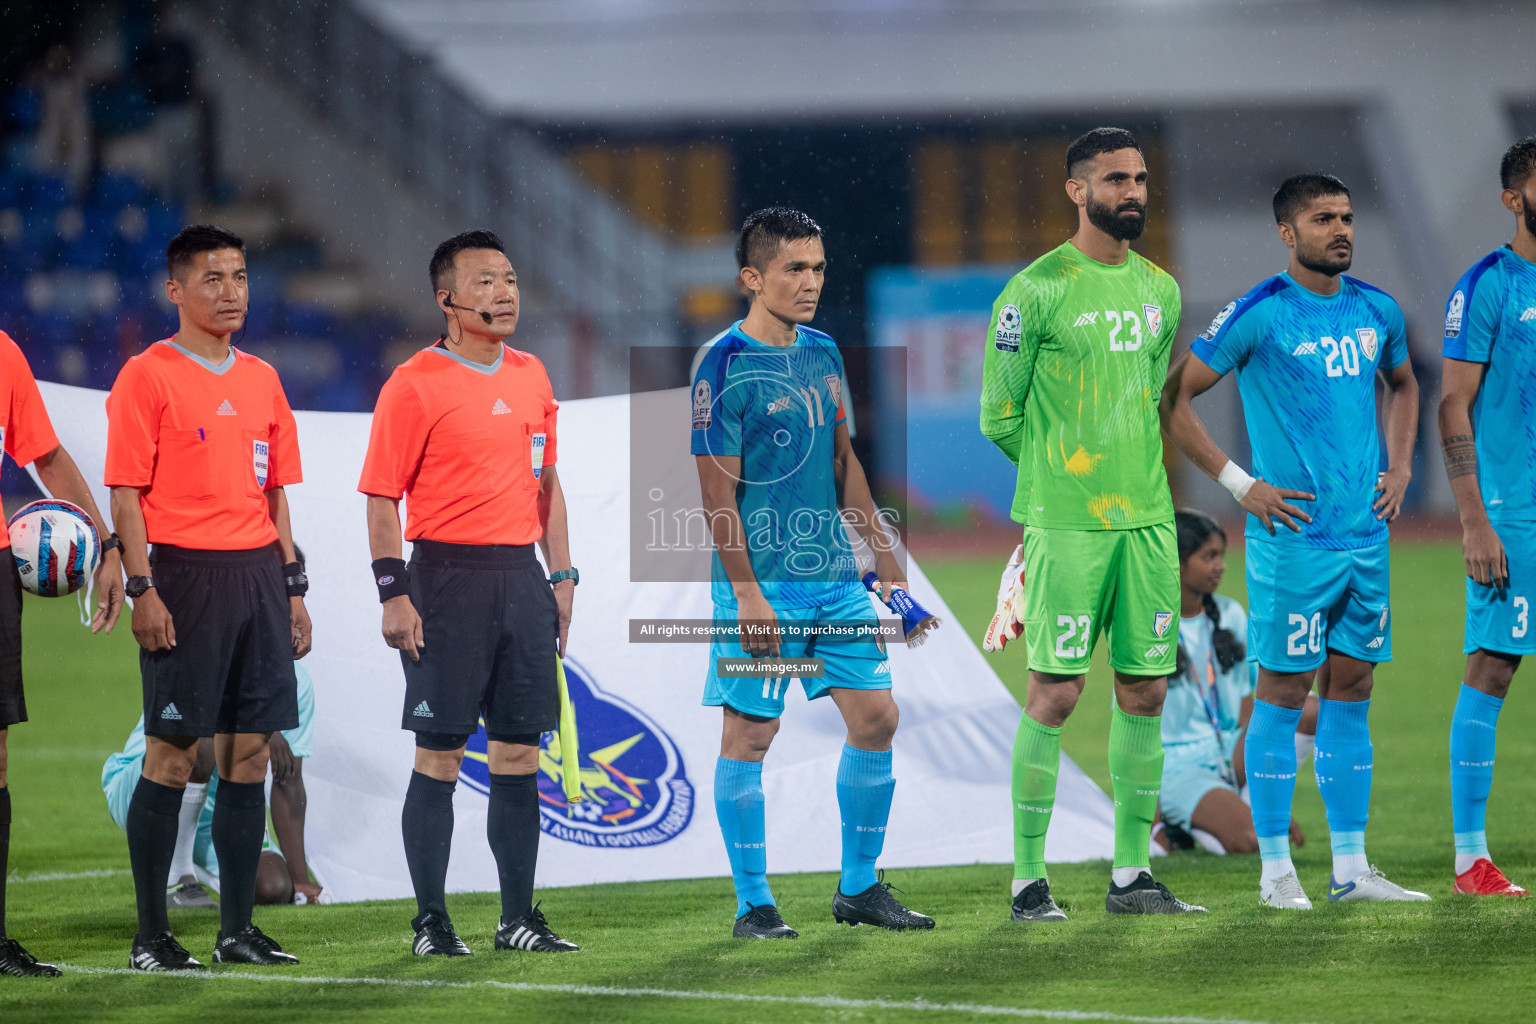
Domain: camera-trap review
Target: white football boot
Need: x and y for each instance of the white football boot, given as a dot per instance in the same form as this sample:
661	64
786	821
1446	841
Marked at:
1284	892
1372	885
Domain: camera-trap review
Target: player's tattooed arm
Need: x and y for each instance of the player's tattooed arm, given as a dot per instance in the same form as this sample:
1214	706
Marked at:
1482	553
1460	453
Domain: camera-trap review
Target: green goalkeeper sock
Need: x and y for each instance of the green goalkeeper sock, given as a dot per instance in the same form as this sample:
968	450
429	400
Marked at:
1036	757
1136	773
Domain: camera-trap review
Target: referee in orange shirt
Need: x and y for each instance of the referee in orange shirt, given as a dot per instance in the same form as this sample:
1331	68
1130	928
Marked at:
465	431
200	444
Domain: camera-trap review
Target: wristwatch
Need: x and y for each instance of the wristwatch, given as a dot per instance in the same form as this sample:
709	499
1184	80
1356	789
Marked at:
565	574
136	586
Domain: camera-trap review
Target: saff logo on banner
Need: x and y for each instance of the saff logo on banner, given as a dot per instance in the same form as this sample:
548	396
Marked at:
633	786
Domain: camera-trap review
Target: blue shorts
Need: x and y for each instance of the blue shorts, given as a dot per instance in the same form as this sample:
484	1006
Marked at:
1187	779
856	665
1500	620
1304	602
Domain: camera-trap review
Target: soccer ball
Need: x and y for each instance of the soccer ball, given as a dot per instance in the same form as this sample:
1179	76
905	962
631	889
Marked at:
55	546
1008	318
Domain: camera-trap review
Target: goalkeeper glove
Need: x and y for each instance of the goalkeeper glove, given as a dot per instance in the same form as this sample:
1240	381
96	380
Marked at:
1008	622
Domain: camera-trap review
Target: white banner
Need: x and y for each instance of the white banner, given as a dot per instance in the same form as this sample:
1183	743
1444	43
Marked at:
648	747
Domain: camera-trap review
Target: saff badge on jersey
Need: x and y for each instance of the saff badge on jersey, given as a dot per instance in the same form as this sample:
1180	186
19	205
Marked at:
702	413
1007	335
1367	337
1154	317
260	461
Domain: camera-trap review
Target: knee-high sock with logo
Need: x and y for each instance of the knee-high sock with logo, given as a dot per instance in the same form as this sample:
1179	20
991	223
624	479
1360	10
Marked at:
864	788
1473	732
1136	776
1269	751
151	828
743	824
512	826
1036	759
239	823
426	823
1343	765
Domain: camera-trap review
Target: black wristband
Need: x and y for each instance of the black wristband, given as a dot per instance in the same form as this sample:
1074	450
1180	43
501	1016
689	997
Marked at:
295	580
392	577
113	541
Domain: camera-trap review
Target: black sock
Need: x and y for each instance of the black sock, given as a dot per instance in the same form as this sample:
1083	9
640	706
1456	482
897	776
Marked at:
239	822
512	825
5	848
426	823
152	815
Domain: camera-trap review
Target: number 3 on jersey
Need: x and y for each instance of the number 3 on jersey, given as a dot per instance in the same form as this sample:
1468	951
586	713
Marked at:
1075	628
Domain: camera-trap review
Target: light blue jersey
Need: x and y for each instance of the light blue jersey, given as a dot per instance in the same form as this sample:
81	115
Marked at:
1306	369
1204	704
777	409
1491	318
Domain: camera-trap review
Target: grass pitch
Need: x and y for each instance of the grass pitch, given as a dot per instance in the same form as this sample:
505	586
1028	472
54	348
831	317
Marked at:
662	951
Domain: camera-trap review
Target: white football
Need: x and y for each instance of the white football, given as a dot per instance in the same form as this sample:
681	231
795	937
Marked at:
56	547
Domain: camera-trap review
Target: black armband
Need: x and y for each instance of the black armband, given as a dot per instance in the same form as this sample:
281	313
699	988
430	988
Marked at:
392	577
295	580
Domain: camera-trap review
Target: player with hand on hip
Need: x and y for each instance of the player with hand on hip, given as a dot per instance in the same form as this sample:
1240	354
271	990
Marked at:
1489	438
1078	347
777	470
464	430
1308	346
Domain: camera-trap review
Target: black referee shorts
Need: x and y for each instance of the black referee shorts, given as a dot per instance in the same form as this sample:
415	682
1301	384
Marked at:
490	623
13	703
232	667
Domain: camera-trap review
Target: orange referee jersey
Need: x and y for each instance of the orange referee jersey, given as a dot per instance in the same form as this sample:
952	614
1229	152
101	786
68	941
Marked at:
25	430
205	443
465	445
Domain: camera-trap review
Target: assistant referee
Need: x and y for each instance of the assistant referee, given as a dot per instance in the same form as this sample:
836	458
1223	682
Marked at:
465	431
200	444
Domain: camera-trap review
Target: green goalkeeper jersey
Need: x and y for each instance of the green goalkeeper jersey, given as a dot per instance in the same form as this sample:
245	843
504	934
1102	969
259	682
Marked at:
1075	364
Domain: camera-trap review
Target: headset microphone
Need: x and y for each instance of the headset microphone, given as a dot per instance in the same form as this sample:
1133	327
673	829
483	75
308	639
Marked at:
469	309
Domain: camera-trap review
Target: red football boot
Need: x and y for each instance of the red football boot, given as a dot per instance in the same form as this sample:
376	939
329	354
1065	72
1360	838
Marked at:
1483	879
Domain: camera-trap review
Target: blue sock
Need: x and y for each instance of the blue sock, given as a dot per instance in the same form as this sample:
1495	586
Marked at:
1473	729
1269	751
739	806
1343	764
864	788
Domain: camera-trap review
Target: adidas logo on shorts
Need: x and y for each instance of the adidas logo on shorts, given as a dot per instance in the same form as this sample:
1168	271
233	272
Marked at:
422	711
170	714
500	408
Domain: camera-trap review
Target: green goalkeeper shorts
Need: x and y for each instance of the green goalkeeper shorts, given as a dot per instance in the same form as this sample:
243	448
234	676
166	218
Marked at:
1081	583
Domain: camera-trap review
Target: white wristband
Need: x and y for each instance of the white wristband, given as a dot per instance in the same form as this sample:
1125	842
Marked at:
1235	480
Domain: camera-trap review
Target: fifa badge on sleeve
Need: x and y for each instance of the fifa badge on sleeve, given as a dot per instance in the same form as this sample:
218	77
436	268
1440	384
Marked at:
538	454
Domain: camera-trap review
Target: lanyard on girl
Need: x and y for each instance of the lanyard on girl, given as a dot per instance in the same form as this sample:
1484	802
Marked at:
1212	705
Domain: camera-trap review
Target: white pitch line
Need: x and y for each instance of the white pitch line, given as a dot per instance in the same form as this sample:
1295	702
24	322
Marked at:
826	1002
67	876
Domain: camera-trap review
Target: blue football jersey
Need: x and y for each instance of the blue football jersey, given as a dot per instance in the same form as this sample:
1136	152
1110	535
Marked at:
777	408
1491	318
1306	370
